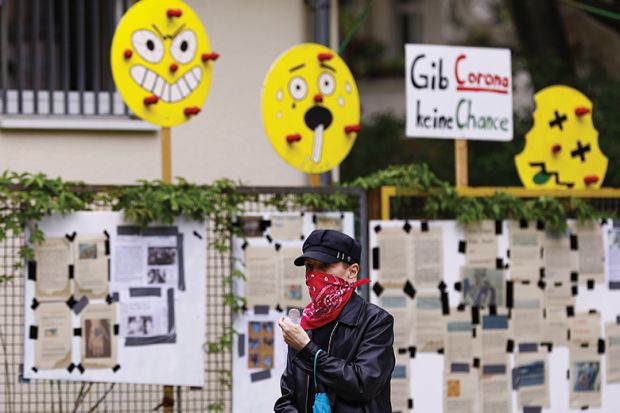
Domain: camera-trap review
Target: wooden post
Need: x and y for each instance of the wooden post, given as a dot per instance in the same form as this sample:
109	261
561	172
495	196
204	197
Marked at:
315	180
461	171
166	155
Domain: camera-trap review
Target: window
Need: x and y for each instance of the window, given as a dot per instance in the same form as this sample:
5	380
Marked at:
410	21
54	57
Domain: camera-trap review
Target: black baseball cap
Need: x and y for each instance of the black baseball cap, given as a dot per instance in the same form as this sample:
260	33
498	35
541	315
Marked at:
329	246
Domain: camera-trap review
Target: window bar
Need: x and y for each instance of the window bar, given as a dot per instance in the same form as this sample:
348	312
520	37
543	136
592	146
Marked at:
51	57
34	47
4	28
20	55
81	53
96	72
66	21
111	27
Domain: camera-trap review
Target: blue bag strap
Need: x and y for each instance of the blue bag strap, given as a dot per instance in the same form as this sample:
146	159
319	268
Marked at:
316	356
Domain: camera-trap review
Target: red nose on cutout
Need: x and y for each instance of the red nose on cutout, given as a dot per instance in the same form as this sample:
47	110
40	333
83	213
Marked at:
174	67
293	138
174	13
590	179
580	111
318	98
127	53
556	148
193	110
150	100
209	56
325	56
352	128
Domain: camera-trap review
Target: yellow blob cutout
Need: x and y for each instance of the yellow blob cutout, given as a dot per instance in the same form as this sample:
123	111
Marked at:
162	61
561	150
311	108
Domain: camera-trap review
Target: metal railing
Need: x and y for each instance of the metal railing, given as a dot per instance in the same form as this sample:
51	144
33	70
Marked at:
55	59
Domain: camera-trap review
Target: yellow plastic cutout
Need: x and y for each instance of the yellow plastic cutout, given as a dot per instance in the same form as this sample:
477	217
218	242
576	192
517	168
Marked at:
311	108
561	150
162	61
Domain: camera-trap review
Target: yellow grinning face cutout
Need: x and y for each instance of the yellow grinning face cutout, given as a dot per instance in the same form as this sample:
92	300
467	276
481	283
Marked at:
311	108
561	150
162	61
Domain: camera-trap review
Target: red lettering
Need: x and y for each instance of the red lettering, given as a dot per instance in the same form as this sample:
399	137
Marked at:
456	69
479	81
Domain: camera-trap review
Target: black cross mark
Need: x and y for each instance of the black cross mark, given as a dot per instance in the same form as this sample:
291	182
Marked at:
581	151
558	120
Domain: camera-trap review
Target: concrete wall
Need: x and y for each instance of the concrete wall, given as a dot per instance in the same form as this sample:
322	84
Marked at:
226	140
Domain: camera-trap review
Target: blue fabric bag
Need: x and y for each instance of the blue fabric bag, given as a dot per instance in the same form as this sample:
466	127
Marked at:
321	402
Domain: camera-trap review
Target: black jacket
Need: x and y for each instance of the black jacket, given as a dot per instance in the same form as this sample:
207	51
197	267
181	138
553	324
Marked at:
357	370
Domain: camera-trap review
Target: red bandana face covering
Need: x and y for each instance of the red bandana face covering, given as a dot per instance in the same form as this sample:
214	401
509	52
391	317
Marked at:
329	294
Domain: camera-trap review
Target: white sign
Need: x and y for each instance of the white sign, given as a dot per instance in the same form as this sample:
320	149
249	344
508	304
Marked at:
458	92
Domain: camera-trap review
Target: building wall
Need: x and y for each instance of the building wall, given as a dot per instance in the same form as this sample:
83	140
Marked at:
225	140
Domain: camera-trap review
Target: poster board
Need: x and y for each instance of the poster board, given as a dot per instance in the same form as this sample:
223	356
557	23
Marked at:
265	231
427	368
133	362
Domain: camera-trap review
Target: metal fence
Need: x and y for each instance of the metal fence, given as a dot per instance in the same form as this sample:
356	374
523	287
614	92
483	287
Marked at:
50	396
55	57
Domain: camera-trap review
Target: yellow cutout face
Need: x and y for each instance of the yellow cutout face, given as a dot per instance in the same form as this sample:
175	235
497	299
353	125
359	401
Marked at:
311	108
561	150
161	61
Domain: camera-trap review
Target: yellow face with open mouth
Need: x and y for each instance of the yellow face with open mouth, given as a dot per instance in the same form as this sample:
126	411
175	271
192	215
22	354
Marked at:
311	108
162	61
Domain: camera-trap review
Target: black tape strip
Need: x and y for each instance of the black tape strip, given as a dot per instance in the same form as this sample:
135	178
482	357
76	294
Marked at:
508	253
377	288
574	276
412	351
116	329
499	227
302	237
261	309
106	233
568	334
499	264
71	271
106	246
409	290
618	319
462	247
197	235
528	347
547	344
475	315
71	302
542	285
375	258
542	273
567	374
558	283
442	286
526	282
540	225
32	270
445	305
458	286
509	294
570	311
260	375
603	221
77	332
34	332
377	229
71	236
278	246
116	368
585	407
269	238
461	307
575	289
112	298
81	368
36	370
574	242
410	404
510	346
585	345
440	351
264	224
241	345
80	305
424	226
592	311
314	219
244	245
476	363
407	227
493	309
71	367
34	304
601	346
590	284
278	308
532	409
523	223
402	351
